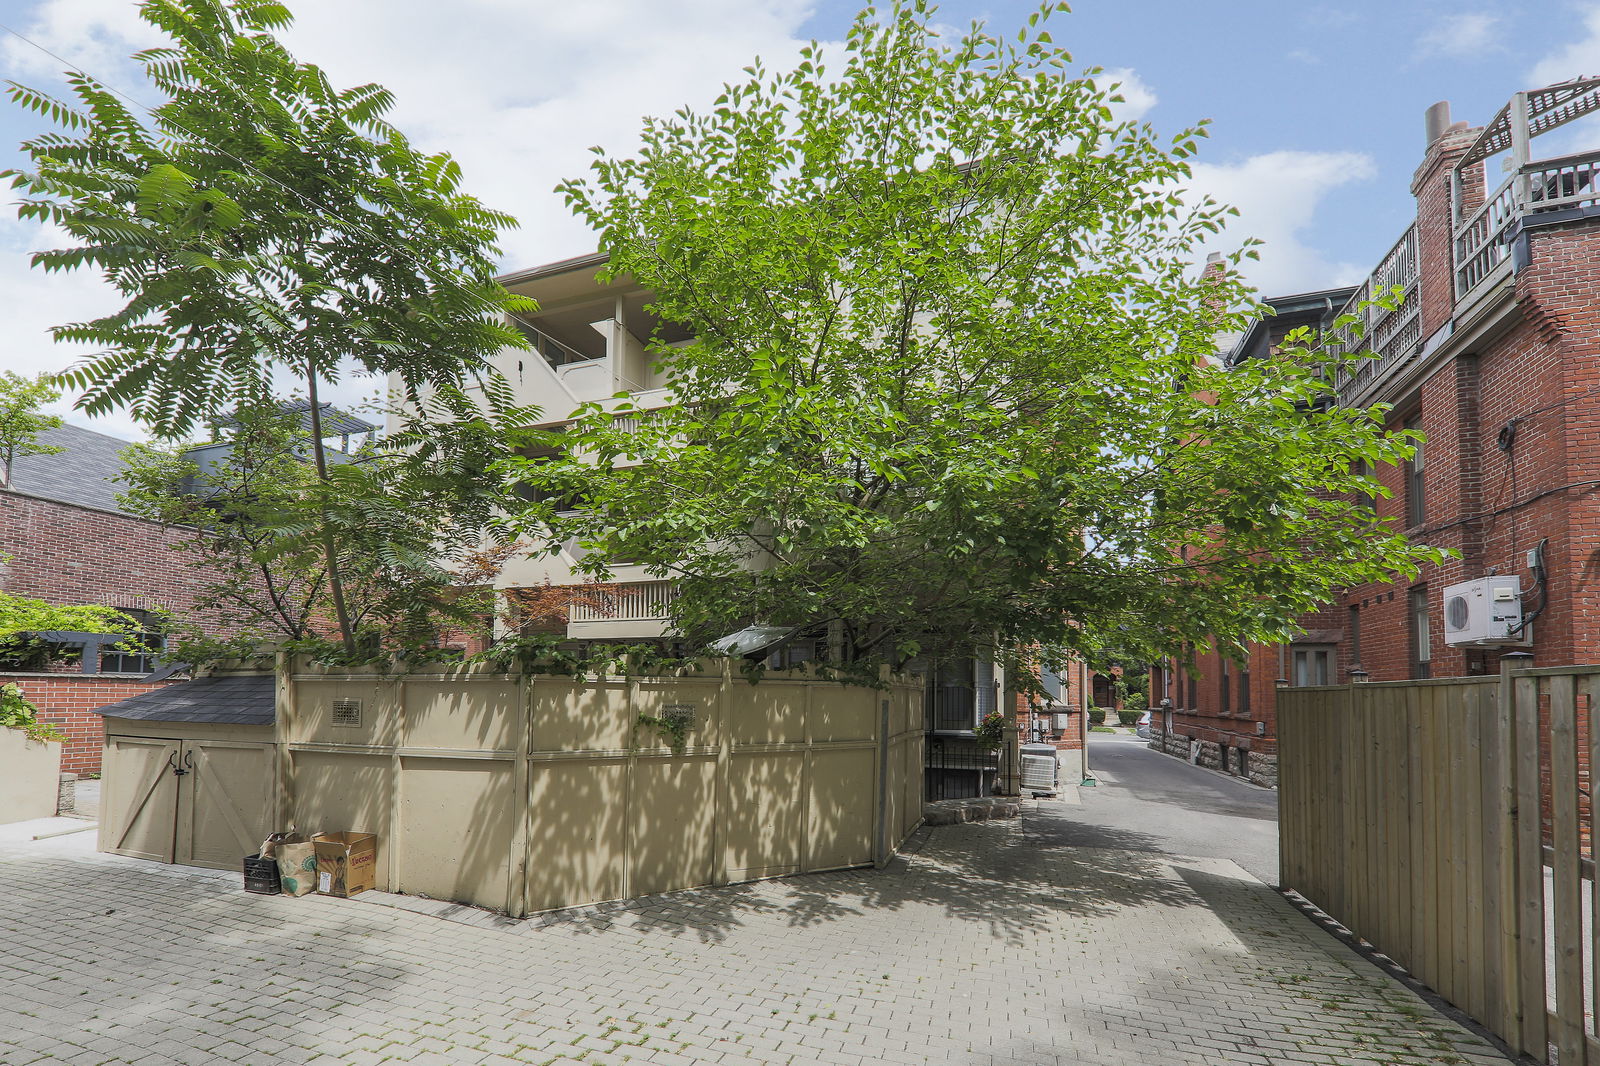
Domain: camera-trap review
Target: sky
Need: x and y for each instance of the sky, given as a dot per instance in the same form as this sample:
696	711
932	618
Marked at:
1316	108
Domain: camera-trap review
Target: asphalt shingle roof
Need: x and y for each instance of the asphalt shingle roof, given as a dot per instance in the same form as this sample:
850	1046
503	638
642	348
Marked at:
86	473
245	699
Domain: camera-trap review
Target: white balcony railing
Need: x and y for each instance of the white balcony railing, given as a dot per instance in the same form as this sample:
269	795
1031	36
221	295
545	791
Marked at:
640	601
1395	334
1483	239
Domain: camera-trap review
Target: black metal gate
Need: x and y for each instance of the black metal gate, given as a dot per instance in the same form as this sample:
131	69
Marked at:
958	769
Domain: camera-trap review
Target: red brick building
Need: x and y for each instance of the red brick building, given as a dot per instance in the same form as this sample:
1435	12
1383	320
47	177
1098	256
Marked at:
1494	354
65	539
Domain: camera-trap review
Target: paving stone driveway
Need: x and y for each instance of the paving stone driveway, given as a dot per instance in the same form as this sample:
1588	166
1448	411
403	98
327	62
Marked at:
990	945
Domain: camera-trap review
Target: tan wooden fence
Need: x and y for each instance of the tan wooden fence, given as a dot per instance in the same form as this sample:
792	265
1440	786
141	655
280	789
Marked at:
526	793
1448	824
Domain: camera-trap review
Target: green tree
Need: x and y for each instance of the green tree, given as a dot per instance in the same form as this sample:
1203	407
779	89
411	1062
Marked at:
262	223
21	421
252	527
23	614
953	379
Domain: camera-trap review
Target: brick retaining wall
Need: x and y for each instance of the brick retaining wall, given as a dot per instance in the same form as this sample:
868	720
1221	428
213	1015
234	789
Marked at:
70	702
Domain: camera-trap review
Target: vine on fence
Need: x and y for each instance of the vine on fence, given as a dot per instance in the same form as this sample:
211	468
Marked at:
672	725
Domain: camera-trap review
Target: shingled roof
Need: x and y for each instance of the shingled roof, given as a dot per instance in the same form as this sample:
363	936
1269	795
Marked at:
86	473
239	699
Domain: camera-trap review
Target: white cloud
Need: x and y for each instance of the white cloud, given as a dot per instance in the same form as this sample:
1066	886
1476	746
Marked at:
97	35
1579	56
1137	96
1463	36
1277	195
33	302
517	92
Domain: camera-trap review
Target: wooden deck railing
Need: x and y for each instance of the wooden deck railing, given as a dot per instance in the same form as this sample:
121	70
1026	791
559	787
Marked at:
1393	334
1483	238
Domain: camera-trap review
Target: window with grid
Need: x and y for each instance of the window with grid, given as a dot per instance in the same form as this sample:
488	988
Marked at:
138	654
1416	505
1421	634
1312	664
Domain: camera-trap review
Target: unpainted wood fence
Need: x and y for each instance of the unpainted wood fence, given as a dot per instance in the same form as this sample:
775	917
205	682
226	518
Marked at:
1448	824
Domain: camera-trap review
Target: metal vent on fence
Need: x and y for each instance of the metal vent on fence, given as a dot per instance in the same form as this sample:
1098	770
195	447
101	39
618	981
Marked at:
679	715
347	712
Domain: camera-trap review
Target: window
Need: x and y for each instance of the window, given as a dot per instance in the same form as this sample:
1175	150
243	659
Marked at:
1421	634
1224	686
138	654
984	694
1312	665
1415	504
1367	498
951	696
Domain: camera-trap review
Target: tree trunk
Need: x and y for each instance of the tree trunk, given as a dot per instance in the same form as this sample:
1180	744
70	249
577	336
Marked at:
330	554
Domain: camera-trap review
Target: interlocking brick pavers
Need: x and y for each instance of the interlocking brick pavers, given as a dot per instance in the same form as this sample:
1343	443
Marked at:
991	944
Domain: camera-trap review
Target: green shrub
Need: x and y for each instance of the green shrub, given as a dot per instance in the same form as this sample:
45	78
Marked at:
1097	716
1128	717
17	713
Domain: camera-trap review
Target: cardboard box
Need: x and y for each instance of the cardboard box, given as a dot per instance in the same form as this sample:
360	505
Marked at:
347	863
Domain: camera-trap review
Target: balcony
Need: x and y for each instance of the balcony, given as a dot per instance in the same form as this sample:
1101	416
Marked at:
1483	235
1483	240
1394	334
637	609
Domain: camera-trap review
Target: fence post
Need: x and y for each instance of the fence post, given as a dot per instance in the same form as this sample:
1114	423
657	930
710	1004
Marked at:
880	857
722	806
282	722
1526	854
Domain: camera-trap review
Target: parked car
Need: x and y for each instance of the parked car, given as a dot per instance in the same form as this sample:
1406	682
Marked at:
1142	730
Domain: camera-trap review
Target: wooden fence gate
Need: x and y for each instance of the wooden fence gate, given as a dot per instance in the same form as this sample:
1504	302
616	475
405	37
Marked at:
1448	824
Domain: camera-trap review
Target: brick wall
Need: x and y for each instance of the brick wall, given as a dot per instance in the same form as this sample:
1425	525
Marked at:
1070	739
1232	714
69	702
1512	459
1431	186
68	554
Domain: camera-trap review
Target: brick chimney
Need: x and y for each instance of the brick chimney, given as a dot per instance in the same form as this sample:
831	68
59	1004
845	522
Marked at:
1447	143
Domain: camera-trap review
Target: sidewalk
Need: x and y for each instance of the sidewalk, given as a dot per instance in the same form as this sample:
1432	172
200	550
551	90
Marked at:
992	944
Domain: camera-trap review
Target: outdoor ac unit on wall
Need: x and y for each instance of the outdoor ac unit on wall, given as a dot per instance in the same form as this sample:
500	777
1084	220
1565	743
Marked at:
1485	611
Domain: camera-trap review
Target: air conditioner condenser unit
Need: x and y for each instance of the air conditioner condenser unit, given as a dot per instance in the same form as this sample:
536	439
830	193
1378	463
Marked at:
1039	769
1484	611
